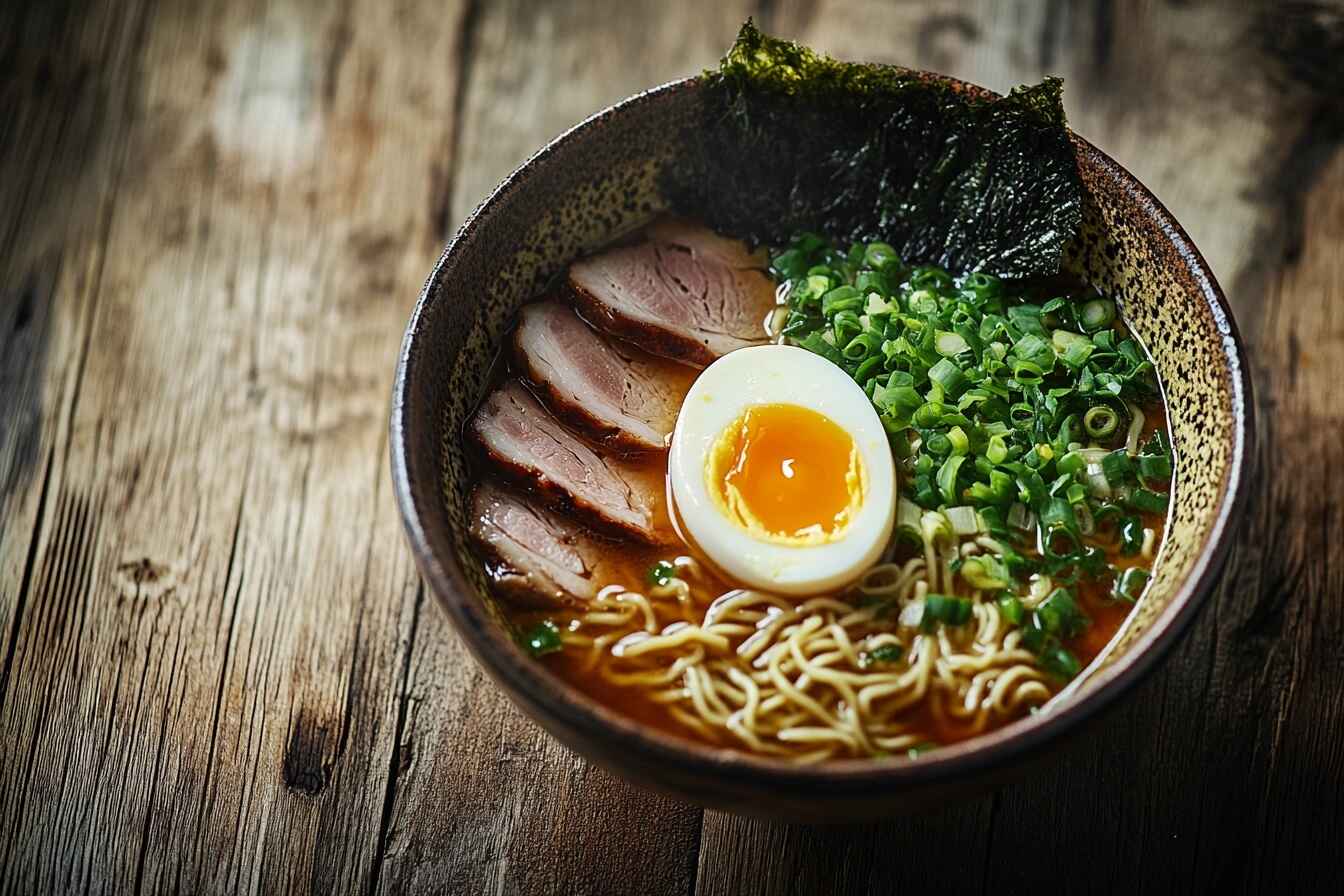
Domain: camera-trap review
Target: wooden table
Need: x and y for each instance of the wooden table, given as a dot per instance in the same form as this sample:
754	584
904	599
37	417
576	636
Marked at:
218	669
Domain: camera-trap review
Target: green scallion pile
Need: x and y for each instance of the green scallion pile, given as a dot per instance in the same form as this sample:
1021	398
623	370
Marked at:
1014	411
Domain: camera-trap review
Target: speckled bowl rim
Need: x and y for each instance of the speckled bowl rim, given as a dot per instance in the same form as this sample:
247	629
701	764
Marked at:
1029	736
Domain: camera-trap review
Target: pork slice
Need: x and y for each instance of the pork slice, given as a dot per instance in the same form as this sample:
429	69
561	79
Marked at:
525	443
684	292
537	558
611	391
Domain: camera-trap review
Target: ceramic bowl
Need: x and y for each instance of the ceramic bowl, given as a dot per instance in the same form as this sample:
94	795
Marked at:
600	178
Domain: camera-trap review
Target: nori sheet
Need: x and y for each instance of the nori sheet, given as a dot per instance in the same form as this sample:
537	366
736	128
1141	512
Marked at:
793	140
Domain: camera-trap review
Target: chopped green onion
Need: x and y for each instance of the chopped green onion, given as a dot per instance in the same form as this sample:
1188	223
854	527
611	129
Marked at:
1071	463
1101	421
1010	608
949	376
982	285
1116	465
542	638
1157	445
883	653
957	437
817	343
1027	319
1028	373
880	256
1129	584
1131	536
985	572
999	490
1073	348
997	449
1022	416
964	520
1096	314
1147	501
862	346
1060	615
949	345
1156	467
661	573
842	298
907	517
947	477
992	395
930	414
1056	515
1056	660
1019	517
947	610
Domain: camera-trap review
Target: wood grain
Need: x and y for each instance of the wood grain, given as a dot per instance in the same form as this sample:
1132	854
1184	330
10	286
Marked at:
213	630
218	671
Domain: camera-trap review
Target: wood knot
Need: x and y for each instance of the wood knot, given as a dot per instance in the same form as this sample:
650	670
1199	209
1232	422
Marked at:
307	764
143	570
145	579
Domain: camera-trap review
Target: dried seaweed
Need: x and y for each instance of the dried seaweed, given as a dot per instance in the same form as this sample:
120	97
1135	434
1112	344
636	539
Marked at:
791	140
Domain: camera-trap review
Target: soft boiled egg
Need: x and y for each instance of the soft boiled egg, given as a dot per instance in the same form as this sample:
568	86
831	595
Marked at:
780	471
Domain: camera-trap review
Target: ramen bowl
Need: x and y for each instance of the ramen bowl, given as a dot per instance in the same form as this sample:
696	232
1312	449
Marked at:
601	179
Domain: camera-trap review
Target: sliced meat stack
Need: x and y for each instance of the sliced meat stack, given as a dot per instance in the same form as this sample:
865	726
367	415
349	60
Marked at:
605	388
681	292
539	558
684	293
525	443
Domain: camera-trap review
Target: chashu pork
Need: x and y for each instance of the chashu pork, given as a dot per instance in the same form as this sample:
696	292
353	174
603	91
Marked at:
683	292
611	391
523	442
538	558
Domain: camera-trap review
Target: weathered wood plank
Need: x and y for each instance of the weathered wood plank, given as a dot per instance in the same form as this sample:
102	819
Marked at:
64	83
1299	618
207	665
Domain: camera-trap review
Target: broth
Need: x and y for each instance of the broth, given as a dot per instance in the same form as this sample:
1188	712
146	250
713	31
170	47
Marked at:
629	563
700	656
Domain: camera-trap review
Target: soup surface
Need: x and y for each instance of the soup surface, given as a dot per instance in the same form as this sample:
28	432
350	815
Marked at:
1031	463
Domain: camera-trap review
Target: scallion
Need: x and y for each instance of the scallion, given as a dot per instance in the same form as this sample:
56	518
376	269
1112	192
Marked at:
1154	467
948	375
1129	584
661	573
1096	314
542	638
964	520
1060	615
947	477
1147	501
1058	661
1101	421
985	572
1010	608
949	345
942	608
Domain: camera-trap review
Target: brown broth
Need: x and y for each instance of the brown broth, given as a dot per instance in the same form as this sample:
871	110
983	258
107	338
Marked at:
625	563
628	562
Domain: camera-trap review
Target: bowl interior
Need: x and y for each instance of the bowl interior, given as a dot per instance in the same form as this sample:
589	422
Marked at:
601	179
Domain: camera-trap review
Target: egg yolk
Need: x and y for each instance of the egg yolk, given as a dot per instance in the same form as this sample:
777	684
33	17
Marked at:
787	474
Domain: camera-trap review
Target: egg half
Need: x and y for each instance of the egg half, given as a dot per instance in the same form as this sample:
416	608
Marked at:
780	471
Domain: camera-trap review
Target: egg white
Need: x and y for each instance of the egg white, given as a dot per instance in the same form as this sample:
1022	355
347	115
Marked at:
780	374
